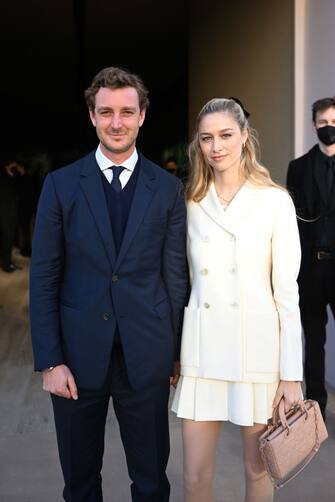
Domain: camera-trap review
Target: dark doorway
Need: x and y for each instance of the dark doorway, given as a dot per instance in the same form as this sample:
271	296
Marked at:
51	51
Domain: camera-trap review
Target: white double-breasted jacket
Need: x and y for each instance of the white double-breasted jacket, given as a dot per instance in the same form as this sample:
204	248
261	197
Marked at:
242	322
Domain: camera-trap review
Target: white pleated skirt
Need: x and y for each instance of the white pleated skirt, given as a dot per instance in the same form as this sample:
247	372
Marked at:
242	403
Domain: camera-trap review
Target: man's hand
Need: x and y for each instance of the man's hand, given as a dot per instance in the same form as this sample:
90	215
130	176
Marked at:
176	373
60	382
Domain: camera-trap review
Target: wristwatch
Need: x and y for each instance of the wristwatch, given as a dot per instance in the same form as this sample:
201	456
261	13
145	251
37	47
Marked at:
47	370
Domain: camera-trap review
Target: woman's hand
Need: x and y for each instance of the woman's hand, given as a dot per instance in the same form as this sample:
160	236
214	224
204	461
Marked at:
290	391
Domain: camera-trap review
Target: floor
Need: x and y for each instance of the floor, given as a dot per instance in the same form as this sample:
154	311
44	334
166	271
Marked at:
29	467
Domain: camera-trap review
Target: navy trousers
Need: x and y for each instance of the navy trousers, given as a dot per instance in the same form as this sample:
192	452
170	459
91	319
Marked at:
143	420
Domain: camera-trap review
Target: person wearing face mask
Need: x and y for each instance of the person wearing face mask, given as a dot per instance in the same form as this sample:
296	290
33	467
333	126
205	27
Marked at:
310	180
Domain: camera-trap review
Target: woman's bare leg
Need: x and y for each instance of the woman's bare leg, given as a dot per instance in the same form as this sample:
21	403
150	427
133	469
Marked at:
258	487
200	440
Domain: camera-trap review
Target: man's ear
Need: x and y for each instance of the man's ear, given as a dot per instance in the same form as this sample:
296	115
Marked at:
142	116
92	117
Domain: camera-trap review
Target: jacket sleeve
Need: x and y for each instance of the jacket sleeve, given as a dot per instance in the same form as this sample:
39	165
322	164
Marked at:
45	278
286	255
291	181
174	264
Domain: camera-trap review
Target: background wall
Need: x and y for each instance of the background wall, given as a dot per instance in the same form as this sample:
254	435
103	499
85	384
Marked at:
314	79
246	49
319	78
278	58
315	62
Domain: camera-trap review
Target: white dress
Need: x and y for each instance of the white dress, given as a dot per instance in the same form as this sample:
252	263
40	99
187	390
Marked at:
242	403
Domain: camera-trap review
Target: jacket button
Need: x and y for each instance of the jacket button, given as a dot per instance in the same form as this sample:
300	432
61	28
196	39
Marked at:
234	305
204	271
205	238
206	305
106	316
232	270
115	278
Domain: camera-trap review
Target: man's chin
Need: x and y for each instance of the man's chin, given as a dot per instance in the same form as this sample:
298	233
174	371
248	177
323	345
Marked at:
115	148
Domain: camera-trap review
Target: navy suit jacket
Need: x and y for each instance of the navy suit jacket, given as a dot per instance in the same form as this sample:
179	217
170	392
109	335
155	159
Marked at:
80	290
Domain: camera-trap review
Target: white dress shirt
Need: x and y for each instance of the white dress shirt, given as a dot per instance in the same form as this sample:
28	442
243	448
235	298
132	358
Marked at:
105	163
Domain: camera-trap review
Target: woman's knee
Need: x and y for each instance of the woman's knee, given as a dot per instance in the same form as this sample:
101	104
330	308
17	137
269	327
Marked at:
197	479
254	469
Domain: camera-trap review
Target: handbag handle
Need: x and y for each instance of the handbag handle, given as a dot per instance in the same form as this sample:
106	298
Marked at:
279	414
279	411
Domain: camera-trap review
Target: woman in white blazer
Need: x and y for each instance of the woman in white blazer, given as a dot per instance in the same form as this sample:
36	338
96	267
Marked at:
241	344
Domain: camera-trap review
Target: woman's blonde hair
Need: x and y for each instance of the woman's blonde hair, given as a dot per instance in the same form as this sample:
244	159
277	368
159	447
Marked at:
201	173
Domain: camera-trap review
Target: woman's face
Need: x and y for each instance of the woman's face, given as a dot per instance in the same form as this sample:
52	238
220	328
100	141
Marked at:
221	141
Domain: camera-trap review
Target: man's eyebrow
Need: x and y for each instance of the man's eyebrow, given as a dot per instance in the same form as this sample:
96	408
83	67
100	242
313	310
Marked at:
133	108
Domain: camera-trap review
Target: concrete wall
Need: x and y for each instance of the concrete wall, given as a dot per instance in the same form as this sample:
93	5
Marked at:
315	78
315	64
246	49
277	57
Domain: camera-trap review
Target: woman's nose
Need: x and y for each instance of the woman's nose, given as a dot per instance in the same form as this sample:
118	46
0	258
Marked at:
217	145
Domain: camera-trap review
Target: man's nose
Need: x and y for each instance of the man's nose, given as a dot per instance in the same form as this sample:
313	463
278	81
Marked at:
116	121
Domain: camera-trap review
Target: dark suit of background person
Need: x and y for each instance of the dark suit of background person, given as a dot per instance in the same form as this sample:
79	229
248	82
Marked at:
310	180
108	287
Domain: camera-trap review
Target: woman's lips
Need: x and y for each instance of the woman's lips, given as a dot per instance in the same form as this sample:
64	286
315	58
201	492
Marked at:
219	157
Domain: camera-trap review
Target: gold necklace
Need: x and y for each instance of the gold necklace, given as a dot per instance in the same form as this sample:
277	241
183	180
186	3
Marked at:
225	200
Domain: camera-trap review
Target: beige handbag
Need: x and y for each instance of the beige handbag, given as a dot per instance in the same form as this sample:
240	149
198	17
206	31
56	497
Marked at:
291	440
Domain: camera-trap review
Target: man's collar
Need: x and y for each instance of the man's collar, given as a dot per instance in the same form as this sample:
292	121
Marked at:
324	156
104	162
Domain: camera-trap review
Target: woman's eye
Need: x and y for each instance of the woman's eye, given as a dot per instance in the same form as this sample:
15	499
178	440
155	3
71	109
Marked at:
206	138
226	135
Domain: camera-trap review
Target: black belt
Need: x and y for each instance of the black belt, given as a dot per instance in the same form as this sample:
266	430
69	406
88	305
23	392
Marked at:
324	255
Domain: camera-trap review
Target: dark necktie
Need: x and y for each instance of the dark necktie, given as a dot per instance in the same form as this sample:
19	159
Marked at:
116	183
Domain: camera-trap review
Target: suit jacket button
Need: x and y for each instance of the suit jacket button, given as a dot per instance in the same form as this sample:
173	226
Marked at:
115	278
206	305
234	305
204	271
106	316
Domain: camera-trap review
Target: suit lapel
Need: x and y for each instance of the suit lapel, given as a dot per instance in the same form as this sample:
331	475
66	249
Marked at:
234	216
91	185
144	191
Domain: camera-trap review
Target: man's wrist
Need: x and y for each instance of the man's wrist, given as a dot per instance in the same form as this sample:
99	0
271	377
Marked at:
48	370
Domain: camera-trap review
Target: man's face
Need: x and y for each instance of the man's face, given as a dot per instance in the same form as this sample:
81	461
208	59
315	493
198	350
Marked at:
117	118
324	118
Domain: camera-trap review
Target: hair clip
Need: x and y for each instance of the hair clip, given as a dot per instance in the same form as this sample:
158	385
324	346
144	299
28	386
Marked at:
246	113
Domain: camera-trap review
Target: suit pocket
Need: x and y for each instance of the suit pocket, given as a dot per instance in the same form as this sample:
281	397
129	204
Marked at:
154	222
190	337
69	305
262	342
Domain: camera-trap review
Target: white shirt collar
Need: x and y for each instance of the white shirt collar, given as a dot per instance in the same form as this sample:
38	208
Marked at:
104	162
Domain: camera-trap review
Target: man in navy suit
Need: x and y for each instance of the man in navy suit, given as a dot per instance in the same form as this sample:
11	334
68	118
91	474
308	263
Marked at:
108	285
